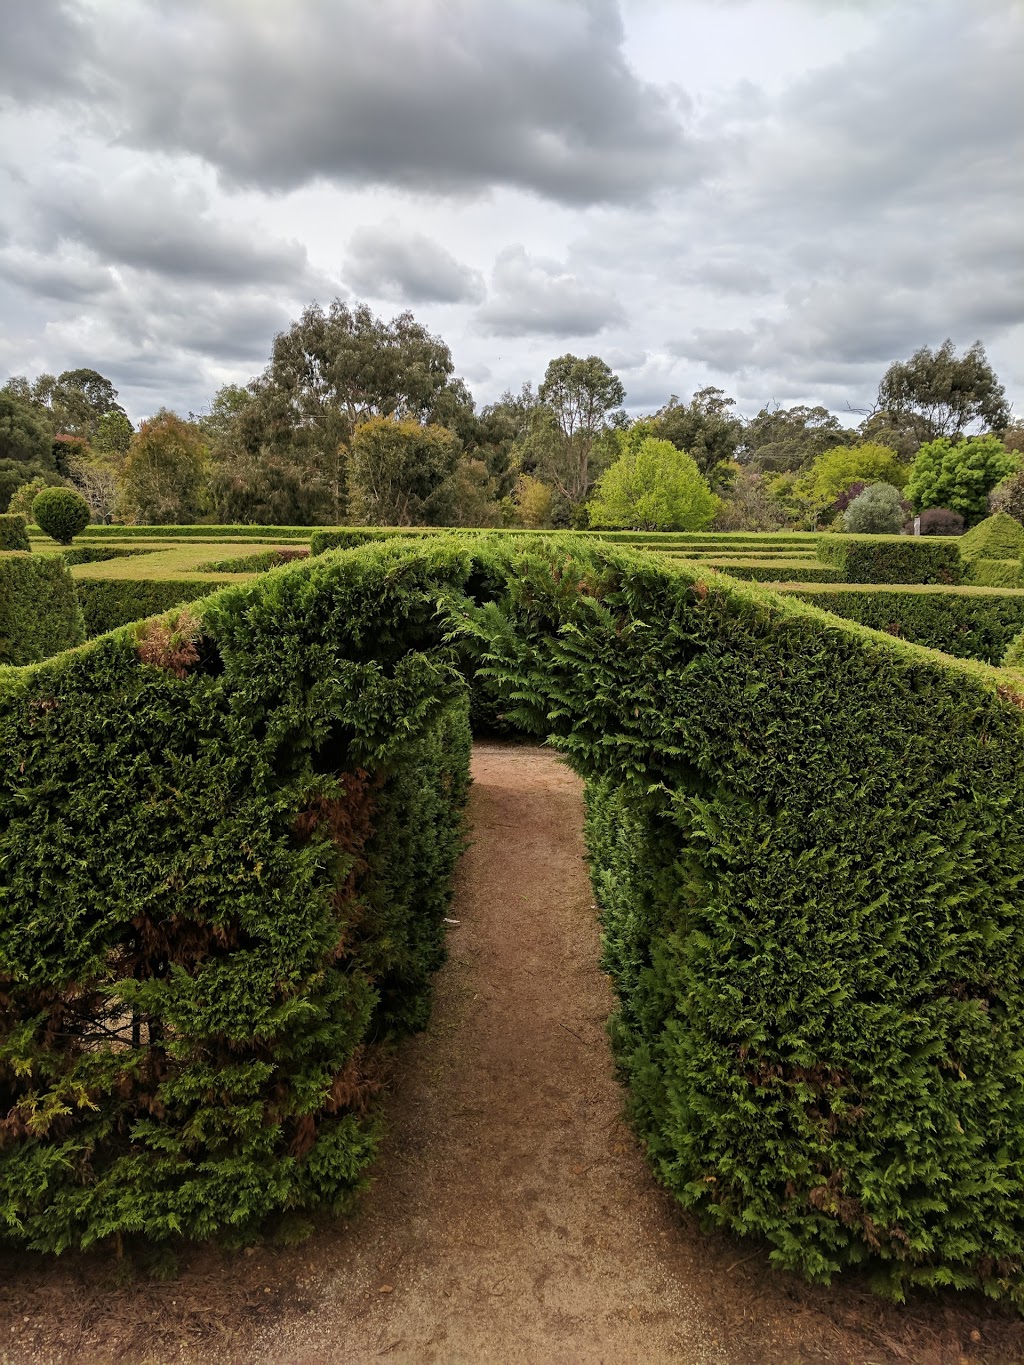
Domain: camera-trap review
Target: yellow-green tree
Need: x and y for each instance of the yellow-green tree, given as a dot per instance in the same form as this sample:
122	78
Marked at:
835	470
652	486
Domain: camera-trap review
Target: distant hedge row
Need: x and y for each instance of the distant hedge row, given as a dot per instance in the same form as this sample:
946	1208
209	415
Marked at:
13	532
892	559
226	845
111	602
968	625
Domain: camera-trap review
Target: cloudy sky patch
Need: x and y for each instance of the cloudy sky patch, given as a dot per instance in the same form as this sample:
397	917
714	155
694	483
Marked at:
777	196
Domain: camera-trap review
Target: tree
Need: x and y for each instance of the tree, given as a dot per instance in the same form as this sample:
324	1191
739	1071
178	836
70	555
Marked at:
749	505
879	510
500	433
533	500
401	473
476	501
164	472
705	428
25	435
836	469
24	496
943	395
959	474
61	513
782	440
580	397
652	486
113	435
331	371
76	400
1008	496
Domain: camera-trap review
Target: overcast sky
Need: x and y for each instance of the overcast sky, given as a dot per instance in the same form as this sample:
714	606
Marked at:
776	196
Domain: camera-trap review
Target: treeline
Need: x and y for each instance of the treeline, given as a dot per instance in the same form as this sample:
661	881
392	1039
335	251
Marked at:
361	420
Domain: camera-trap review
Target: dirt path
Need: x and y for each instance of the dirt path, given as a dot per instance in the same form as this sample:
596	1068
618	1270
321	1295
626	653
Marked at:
512	1218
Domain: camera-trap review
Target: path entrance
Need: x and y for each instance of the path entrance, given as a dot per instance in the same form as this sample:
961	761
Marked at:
512	1220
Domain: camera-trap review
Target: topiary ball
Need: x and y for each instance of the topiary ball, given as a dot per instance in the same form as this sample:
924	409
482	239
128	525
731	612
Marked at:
61	513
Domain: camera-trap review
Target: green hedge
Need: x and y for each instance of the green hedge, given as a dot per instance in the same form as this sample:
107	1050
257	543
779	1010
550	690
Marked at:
770	570
226	846
997	573
968	625
196	531
997	537
892	559
39	611
111	602
807	844
13	532
805	839
258	562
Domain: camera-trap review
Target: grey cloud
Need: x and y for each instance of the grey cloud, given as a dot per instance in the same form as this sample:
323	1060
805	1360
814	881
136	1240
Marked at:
443	95
45	45
386	263
148	223
537	297
66	278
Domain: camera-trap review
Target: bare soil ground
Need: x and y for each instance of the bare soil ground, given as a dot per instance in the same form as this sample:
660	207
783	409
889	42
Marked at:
513	1218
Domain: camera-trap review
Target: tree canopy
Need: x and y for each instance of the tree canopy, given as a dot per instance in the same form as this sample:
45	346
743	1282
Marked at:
959	474
652	486
944	395
402	473
705	428
582	397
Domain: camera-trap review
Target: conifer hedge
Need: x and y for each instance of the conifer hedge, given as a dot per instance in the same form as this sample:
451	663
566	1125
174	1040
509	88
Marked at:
13	532
965	622
39	611
805	839
893	559
226	844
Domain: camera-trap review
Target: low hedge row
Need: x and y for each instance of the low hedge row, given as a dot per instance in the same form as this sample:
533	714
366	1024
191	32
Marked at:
227	839
966	624
196	531
111	602
892	559
39	610
258	562
997	573
770	570
13	532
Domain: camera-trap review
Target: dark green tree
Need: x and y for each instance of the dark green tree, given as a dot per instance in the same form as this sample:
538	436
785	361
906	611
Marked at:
943	394
705	427
782	440
581	399
334	369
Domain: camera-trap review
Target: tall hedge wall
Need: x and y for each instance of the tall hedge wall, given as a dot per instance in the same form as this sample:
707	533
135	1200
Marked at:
893	559
226	845
39	611
806	841
808	848
111	602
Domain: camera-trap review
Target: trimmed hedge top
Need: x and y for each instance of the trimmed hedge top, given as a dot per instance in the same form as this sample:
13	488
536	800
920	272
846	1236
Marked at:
997	537
892	559
39	611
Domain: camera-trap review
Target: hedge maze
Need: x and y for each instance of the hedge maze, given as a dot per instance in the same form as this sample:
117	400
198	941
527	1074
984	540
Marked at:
227	838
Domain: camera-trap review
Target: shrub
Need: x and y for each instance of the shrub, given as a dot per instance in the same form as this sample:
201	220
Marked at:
25	494
39	612
997	537
996	573
909	559
13	532
61	513
940	521
1014	657
652	486
879	510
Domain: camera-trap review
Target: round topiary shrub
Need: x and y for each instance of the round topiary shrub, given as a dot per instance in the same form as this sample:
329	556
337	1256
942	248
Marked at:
61	513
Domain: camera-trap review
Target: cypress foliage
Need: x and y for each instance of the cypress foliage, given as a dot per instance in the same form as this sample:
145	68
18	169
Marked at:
892	559
39	611
13	532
